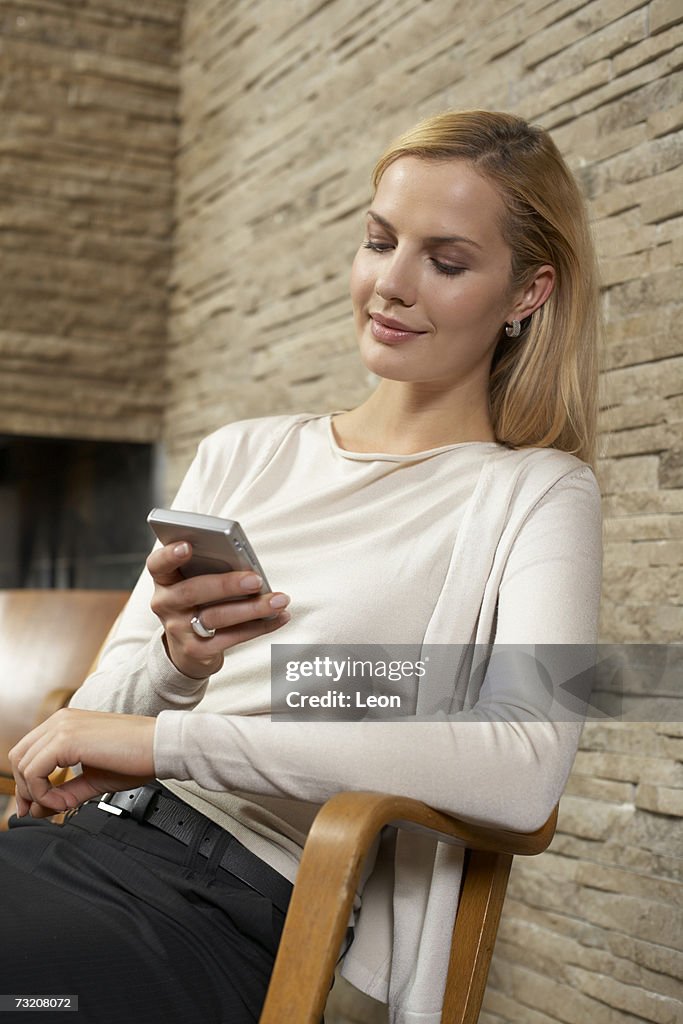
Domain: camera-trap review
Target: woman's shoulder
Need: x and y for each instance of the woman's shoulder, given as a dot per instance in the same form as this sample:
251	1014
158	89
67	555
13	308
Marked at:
539	465
524	477
255	432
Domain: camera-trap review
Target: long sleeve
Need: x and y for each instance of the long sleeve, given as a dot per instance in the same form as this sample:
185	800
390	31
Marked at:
134	674
489	763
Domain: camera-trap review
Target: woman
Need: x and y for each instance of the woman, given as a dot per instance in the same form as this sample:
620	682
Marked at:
461	501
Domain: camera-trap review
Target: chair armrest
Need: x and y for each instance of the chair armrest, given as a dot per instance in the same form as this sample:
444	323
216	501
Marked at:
337	844
414	815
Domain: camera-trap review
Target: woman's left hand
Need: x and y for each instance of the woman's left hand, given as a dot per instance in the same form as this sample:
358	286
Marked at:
115	752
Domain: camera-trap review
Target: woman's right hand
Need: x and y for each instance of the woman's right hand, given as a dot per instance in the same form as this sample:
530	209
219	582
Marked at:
176	600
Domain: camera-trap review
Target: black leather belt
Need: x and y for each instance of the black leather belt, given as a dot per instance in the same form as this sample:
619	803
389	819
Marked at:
151	805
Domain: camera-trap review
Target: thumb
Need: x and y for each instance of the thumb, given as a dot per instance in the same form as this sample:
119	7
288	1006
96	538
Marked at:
164	563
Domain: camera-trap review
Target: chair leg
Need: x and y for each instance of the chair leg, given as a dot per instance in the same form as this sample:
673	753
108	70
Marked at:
474	935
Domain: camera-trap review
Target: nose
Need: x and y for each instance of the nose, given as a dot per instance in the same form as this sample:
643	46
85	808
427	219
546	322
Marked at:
396	282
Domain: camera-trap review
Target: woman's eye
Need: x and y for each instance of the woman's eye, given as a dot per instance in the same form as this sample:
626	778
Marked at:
376	246
448	268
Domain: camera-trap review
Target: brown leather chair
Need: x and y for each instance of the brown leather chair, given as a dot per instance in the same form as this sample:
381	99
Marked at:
48	642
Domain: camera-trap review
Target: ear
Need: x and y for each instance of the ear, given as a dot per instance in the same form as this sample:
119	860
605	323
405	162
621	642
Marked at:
535	293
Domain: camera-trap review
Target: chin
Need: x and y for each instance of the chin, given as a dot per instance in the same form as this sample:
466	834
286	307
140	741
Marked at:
391	363
391	369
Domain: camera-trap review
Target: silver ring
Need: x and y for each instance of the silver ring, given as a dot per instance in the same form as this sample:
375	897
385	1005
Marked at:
200	629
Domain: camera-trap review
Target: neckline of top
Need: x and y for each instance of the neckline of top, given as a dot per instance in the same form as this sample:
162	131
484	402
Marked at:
389	457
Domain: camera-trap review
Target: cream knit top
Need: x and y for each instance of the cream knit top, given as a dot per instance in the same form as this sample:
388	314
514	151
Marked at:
467	542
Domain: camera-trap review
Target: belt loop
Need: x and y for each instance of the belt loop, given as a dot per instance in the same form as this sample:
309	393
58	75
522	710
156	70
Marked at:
142	799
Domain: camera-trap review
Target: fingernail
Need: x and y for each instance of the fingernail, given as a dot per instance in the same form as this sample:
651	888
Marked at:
279	601
251	582
180	550
284	617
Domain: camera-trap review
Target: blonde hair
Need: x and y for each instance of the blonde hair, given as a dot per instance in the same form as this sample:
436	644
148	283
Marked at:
543	385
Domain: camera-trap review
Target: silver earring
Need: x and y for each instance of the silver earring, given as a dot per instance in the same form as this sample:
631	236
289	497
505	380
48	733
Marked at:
514	329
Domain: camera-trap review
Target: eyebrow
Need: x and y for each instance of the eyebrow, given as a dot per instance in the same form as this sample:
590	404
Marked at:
433	239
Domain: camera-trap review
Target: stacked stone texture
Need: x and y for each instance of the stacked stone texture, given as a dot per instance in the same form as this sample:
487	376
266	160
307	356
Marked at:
88	133
284	108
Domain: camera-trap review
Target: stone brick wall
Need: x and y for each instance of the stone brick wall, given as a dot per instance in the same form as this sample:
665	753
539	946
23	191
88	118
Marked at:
593	930
284	108
88	133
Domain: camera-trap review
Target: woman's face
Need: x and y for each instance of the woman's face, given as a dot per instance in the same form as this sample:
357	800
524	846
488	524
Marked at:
430	284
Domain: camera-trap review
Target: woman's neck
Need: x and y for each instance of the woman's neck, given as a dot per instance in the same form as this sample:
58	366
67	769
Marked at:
402	420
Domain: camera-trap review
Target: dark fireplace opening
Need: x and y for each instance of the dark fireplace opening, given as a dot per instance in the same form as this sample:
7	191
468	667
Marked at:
73	513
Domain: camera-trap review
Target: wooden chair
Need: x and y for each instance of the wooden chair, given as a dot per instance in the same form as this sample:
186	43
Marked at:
48	642
328	875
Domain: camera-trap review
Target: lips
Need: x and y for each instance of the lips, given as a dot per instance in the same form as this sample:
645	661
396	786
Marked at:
386	328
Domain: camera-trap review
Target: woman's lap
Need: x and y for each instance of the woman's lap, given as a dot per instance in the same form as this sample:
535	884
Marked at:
137	934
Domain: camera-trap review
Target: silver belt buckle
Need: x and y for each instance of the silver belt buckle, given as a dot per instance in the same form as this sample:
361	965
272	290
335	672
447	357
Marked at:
104	806
130	802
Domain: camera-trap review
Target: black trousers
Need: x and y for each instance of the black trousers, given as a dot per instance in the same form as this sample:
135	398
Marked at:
140	927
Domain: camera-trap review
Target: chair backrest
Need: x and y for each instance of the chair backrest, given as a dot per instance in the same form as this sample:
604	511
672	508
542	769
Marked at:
48	640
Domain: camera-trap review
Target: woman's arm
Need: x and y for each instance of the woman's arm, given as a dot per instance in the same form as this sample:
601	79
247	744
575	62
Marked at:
116	752
495	763
152	659
147	667
486	764
135	675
